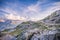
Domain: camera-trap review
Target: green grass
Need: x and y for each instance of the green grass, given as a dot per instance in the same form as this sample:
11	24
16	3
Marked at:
16	32
6	30
13	33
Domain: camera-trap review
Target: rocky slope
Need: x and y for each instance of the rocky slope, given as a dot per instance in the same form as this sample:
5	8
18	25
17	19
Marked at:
49	29
6	37
28	25
35	34
54	18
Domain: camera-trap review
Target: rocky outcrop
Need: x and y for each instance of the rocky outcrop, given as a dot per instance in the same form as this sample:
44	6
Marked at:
6	37
54	18
38	35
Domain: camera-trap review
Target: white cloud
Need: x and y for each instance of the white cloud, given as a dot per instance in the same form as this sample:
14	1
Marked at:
34	7
14	17
36	10
51	9
32	12
1	20
9	10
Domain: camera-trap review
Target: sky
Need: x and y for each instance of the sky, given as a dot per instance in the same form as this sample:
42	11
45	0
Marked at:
25	10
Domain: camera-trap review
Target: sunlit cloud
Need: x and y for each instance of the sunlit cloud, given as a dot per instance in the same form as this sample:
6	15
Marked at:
14	17
1	20
37	14
33	12
34	7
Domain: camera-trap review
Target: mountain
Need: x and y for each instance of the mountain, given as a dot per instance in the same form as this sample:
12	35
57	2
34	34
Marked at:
41	29
54	18
46	29
22	27
28	25
6	37
8	24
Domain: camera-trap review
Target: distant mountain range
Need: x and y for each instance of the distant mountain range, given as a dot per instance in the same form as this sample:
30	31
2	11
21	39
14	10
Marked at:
7	23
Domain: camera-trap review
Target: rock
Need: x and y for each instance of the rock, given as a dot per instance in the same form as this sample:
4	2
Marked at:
6	37
28	34
37	35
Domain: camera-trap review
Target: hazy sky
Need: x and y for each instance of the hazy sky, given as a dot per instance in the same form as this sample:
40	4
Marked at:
27	9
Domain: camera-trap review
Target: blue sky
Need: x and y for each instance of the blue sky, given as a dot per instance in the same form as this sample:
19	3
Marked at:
25	10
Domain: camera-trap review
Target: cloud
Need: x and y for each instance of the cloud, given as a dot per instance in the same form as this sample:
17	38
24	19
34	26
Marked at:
14	17
1	20
35	11
34	7
32	12
49	10
9	10
55	6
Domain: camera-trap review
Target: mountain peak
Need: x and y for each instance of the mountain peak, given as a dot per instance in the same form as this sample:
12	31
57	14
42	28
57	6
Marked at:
54	18
57	12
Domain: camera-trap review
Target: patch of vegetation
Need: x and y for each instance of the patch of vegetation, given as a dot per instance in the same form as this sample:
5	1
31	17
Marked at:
6	30
15	32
